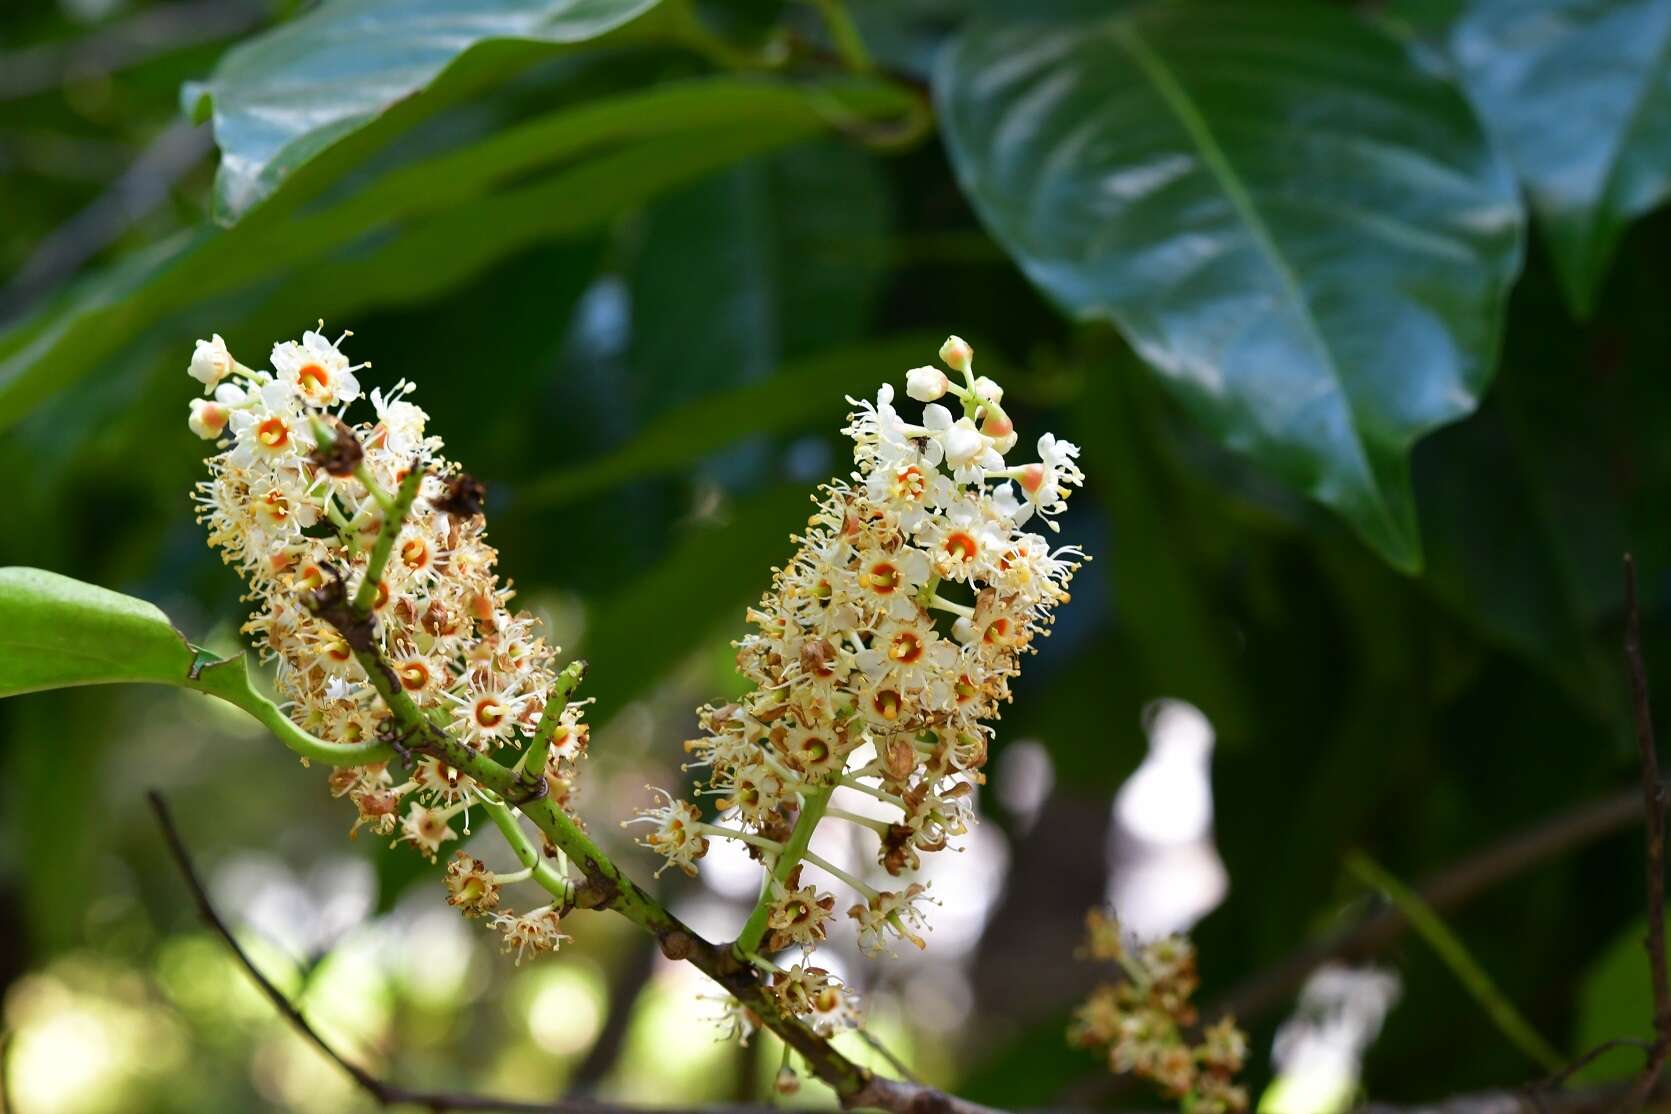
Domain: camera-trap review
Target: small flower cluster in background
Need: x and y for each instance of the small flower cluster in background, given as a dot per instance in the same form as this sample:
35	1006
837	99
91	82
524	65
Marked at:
295	499
883	649
1144	1021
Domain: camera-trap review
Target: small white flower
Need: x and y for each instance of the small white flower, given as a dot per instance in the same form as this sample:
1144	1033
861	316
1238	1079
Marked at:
925	384
210	363
318	372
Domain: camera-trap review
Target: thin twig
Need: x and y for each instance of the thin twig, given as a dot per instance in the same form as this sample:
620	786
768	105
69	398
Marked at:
1449	888
1653	806
1455	955
1588	1058
886	1053
381	1091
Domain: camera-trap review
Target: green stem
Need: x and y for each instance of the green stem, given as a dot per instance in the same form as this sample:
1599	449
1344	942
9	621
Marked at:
394	517
844	34
534	759
230	681
835	871
1455	955
812	811
605	885
505	820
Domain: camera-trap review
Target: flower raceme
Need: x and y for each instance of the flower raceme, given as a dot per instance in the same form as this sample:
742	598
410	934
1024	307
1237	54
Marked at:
883	650
295	500
880	657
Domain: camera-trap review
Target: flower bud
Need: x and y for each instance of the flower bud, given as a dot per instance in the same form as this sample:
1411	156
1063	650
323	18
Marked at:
787	1082
211	362
957	354
208	419
926	384
989	390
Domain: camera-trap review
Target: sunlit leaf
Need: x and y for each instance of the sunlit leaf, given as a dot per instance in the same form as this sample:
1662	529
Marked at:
281	97
1578	95
56	632
1304	233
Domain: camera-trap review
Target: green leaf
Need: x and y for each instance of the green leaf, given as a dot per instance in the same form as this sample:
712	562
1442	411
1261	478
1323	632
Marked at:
1616	1000
280	98
631	643
1302	232
1578	95
797	396
56	632
418	229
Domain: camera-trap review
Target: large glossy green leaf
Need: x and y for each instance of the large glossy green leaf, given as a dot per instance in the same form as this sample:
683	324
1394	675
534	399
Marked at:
1305	234
1578	95
428	224
56	632
280	98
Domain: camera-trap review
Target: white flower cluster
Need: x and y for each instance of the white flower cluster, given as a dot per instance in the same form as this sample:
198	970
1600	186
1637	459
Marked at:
442	619
883	648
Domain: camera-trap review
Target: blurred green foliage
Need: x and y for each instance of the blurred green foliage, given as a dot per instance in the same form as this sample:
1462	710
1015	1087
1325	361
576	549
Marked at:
635	255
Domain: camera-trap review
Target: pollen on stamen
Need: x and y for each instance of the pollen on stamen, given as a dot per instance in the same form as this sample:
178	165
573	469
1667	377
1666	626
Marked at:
414	553
313	381
906	649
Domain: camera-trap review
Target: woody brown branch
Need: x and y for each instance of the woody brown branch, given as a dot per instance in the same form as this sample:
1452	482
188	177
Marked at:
1653	807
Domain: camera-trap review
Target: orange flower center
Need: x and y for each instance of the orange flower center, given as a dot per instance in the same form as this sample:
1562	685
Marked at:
313	380
414	552
489	712
414	675
273	433
886	704
906	648
961	546
909	483
883	578
996	631
275	506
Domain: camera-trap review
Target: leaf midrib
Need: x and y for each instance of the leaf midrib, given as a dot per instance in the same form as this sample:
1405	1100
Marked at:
1189	117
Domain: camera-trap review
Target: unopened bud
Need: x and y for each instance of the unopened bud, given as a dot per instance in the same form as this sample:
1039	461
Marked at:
787	1082
925	384
208	419
957	354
